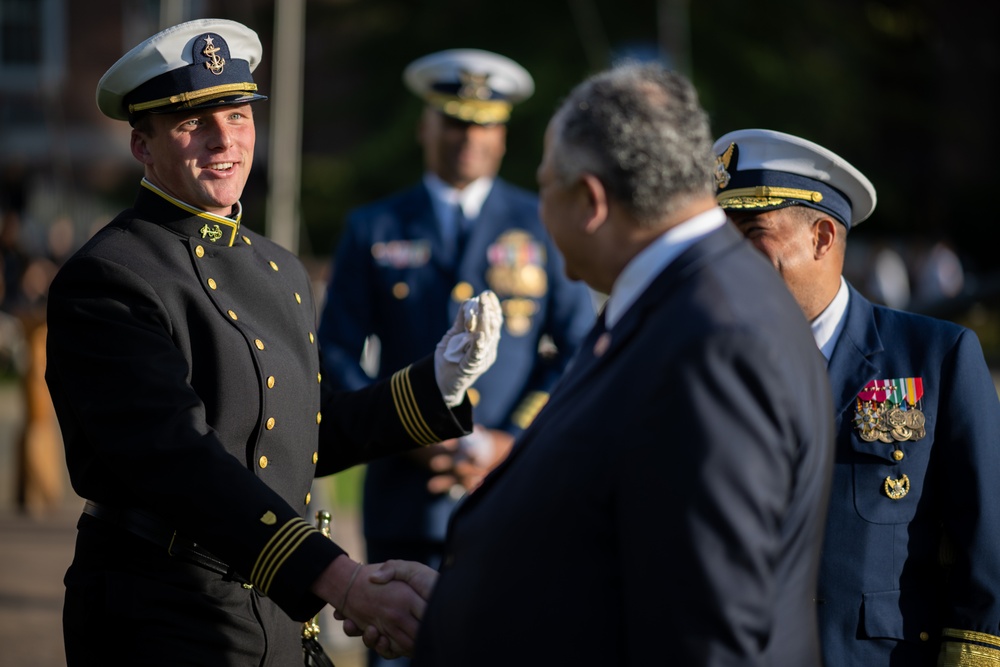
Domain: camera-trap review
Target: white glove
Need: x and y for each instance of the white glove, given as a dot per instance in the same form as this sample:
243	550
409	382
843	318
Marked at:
469	347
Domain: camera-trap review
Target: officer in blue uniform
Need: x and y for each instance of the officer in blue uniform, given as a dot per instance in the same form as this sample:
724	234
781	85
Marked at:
910	573
184	370
406	262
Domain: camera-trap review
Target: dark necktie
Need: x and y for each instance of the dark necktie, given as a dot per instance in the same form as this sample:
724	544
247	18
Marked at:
460	229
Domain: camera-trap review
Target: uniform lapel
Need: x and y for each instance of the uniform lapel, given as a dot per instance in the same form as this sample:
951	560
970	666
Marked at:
851	365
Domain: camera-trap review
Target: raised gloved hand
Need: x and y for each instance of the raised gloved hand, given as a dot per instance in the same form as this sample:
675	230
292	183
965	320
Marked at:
469	347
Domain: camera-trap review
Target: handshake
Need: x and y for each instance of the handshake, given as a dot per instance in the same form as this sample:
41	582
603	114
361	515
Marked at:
382	603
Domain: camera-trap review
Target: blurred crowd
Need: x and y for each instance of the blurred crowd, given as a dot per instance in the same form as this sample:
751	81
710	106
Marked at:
30	256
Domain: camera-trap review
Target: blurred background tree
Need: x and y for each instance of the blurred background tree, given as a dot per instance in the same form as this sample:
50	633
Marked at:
901	88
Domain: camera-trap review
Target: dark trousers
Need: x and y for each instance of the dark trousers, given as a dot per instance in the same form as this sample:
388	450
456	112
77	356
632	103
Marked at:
128	602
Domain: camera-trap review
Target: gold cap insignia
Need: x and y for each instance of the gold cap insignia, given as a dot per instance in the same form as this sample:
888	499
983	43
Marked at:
722	166
215	63
474	86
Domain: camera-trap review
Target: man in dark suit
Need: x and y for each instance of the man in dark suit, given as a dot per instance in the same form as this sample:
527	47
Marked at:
910	573
666	505
183	367
406	262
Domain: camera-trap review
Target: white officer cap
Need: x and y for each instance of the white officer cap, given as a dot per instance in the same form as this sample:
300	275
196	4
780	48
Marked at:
197	64
472	85
764	170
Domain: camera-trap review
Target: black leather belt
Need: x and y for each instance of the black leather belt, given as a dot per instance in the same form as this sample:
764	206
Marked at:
153	530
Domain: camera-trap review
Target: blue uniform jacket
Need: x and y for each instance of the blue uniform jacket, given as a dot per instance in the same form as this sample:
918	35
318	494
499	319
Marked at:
896	573
393	277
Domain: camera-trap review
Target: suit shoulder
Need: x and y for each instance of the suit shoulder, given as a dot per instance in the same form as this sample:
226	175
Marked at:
890	319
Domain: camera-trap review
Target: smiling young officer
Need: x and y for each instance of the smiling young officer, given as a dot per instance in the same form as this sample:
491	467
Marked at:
184	369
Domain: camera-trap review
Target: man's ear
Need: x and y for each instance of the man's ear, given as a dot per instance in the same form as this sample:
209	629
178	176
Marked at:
597	202
140	147
825	231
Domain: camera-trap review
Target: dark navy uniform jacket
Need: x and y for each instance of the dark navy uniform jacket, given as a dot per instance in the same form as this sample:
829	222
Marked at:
184	369
394	277
666	507
900	570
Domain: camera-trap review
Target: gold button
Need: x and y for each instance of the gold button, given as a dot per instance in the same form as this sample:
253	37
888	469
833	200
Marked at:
308	498
924	636
198	250
473	397
233	315
319	377
462	292
319	417
211	283
259	343
401	290
270	382
270	423
898	455
315	457
298	298
273	265
262	462
246	239
312	339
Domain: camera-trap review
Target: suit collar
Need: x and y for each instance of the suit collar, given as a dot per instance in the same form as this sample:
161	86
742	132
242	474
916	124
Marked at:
653	258
600	346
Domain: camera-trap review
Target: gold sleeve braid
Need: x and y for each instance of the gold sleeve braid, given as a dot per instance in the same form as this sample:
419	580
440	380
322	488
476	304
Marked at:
967	648
408	410
277	550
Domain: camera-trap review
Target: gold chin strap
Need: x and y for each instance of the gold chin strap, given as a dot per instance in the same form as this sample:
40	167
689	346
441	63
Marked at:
764	195
195	97
481	112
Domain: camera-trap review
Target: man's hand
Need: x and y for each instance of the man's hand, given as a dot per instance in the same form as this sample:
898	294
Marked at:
469	347
391	607
418	576
458	465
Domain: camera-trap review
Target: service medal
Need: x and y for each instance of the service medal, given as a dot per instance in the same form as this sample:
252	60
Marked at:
888	410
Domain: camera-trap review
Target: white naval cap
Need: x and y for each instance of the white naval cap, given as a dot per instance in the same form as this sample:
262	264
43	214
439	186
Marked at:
472	85
764	170
202	63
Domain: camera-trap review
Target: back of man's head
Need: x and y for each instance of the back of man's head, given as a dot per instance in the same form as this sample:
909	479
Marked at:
642	131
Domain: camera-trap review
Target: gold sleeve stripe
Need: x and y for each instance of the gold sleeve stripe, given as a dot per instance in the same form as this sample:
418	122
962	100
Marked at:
281	545
529	408
406	408
974	649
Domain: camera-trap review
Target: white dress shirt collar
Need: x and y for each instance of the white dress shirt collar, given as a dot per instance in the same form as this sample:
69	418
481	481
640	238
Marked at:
444	197
649	263
829	324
